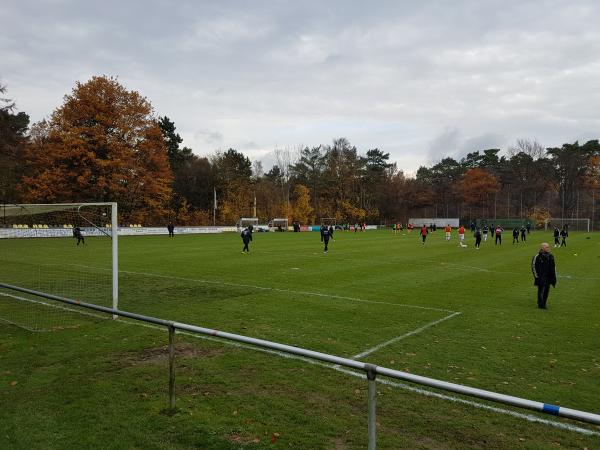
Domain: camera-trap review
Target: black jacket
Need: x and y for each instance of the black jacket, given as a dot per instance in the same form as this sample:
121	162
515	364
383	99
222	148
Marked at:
544	269
246	236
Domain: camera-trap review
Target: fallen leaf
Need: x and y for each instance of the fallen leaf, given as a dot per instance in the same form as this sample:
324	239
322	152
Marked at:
13	383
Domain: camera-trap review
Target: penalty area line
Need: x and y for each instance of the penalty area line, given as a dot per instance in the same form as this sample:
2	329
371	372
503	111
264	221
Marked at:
265	288
528	417
425	392
404	336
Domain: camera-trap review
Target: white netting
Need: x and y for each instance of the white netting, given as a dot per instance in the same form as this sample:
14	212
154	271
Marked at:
569	223
63	250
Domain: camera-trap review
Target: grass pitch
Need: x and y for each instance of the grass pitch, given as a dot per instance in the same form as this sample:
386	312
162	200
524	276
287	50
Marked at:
457	314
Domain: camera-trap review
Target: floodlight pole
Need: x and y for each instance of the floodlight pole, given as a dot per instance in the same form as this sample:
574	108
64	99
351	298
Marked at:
114	223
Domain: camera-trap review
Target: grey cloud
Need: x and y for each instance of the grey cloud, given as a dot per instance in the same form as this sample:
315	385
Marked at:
286	72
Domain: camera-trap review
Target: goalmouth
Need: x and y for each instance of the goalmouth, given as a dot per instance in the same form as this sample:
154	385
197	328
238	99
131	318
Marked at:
62	271
571	224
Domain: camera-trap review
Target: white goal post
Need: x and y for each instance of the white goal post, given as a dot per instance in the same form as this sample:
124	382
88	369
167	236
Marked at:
244	222
571	224
279	224
47	220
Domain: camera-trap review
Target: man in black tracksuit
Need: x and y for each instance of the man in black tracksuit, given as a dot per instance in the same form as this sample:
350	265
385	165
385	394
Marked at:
247	238
556	236
77	234
477	238
515	235
523	233
544	273
325	236
564	234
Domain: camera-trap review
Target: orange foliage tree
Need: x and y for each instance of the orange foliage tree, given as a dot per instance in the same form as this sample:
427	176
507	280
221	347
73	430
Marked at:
476	184
303	212
102	144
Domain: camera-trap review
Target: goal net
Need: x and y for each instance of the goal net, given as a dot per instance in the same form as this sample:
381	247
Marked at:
68	250
247	221
328	221
279	224
571	224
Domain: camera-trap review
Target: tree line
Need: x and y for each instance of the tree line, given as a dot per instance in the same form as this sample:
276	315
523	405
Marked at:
105	143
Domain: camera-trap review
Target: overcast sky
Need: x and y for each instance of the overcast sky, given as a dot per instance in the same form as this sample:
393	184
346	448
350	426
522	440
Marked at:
418	79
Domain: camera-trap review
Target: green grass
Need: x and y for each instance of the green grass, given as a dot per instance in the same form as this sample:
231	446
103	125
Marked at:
93	383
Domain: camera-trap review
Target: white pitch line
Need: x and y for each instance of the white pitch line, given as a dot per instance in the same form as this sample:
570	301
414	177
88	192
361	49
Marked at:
399	338
527	417
63	308
264	288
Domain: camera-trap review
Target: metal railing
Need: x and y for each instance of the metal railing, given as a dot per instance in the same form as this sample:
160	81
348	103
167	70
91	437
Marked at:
370	370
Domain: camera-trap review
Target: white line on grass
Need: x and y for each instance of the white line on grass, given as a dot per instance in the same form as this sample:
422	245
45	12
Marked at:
398	338
428	393
264	288
528	417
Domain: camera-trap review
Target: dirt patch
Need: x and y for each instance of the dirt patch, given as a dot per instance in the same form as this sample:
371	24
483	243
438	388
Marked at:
243	439
339	444
161	354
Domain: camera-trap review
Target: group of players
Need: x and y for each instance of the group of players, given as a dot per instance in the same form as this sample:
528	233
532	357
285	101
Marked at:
519	234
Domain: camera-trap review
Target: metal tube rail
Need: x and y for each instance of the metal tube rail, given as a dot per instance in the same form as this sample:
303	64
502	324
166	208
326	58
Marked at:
546	408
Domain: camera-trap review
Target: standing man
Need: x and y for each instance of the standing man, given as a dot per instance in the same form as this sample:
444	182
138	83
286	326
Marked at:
544	273
171	229
523	233
564	234
477	238
77	234
448	231
325	235
528	227
556	237
515	235
486	230
461	236
246	238
424	232
498	232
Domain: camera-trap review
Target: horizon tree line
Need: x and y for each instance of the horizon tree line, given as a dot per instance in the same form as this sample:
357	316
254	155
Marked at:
105	143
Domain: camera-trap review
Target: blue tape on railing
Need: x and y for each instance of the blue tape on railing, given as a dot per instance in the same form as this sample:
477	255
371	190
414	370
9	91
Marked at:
551	409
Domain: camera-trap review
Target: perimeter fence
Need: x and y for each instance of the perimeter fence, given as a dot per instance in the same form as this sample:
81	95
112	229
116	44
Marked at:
371	371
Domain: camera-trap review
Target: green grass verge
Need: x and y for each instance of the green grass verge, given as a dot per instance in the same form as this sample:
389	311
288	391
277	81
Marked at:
94	383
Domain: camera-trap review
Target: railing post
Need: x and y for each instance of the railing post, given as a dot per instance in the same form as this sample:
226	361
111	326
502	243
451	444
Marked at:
371	374
172	366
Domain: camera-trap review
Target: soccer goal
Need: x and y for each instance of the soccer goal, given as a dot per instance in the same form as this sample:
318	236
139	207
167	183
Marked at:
329	221
68	250
571	224
278	225
244	222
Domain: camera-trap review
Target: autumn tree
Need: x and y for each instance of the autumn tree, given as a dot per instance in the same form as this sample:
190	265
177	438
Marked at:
103	144
476	185
302	210
13	129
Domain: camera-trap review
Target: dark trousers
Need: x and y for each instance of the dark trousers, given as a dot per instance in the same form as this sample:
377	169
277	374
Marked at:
516	239
498	239
80	239
523	237
171	234
246	249
556	242
477	241
542	295
564	242
326	241
424	236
